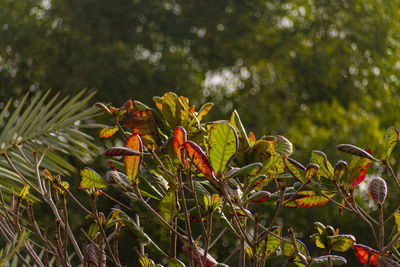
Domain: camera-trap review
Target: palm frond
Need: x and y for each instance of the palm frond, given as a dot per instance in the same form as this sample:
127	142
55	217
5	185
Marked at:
38	122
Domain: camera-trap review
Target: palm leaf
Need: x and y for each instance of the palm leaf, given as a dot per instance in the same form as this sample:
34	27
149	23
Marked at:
38	122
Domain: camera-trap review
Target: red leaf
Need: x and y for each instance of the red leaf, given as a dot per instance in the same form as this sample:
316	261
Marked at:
358	168
103	107
200	160
180	137
141	121
121	151
132	163
362	254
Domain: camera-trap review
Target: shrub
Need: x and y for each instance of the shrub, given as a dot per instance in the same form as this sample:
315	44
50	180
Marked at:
200	183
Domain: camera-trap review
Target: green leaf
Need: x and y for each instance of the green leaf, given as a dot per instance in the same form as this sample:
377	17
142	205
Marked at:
339	170
262	150
145	261
396	217
244	144
38	122
173	262
357	169
212	202
222	146
204	110
140	235
167	207
283	147
308	199
91	179
254	183
248	170
385	262
171	109
289	251
341	243
272	244
312	170
320	227
324	261
391	140
325	168
354	150
258	196
296	169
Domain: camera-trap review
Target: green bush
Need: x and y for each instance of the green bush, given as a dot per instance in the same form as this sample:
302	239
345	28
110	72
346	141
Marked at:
185	189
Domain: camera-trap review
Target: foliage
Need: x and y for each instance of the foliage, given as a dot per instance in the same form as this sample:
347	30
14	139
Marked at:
201	183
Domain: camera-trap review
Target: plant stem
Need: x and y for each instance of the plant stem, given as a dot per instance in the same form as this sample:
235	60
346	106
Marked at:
161	219
381	227
296	248
103	234
188	226
392	173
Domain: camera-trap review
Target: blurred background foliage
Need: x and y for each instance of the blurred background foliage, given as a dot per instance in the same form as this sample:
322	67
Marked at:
317	72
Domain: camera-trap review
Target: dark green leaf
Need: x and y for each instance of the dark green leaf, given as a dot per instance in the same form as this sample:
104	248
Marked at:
324	261
167	208
385	262
251	169
351	149
141	236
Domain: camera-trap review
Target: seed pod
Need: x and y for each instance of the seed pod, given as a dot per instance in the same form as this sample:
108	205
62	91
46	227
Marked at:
377	190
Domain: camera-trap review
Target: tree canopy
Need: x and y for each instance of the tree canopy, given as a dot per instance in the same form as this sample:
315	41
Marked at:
318	72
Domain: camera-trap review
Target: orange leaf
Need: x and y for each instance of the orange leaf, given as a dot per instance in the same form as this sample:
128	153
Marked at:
185	101
252	138
128	105
180	137
107	132
362	254
200	160
132	163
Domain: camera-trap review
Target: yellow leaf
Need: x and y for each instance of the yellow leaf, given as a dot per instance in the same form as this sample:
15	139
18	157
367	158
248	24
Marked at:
107	132
24	191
